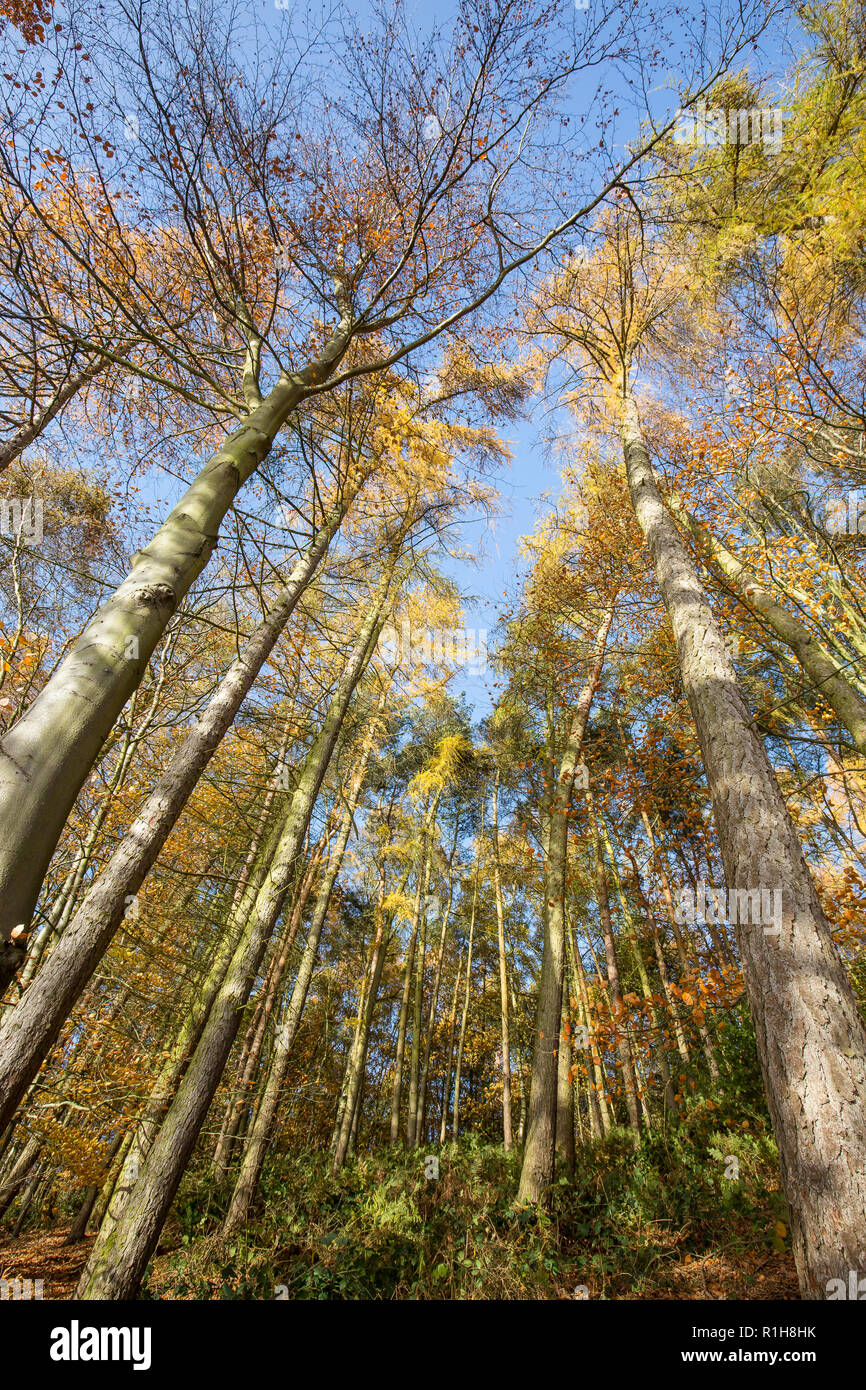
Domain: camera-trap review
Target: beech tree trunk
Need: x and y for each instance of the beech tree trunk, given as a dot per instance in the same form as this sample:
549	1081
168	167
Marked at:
29	1032
46	756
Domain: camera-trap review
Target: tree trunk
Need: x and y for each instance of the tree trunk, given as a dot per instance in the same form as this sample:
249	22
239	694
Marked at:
29	1032
431	1023
577	985
537	1171
455	1121
18	1176
46	756
825	675
358	1055
621	1041
415	1055
397	1087
503	972
643	976
811	1039
565	1091
251	1164
119	1260
31	429
452	1032
249	1062
37	1175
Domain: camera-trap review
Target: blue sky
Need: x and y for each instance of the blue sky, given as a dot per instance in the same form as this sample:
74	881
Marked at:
497	542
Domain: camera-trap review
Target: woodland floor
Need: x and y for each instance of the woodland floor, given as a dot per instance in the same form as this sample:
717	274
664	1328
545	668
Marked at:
42	1255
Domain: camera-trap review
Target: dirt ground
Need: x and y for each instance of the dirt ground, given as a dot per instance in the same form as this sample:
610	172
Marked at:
42	1255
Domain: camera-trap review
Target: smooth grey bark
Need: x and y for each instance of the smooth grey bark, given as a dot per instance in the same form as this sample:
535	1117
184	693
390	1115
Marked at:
29	1031
120	1256
811	1038
25	434
46	756
141	1136
64	905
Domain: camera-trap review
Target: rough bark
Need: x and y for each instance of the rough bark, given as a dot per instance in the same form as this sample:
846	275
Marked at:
811	1039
